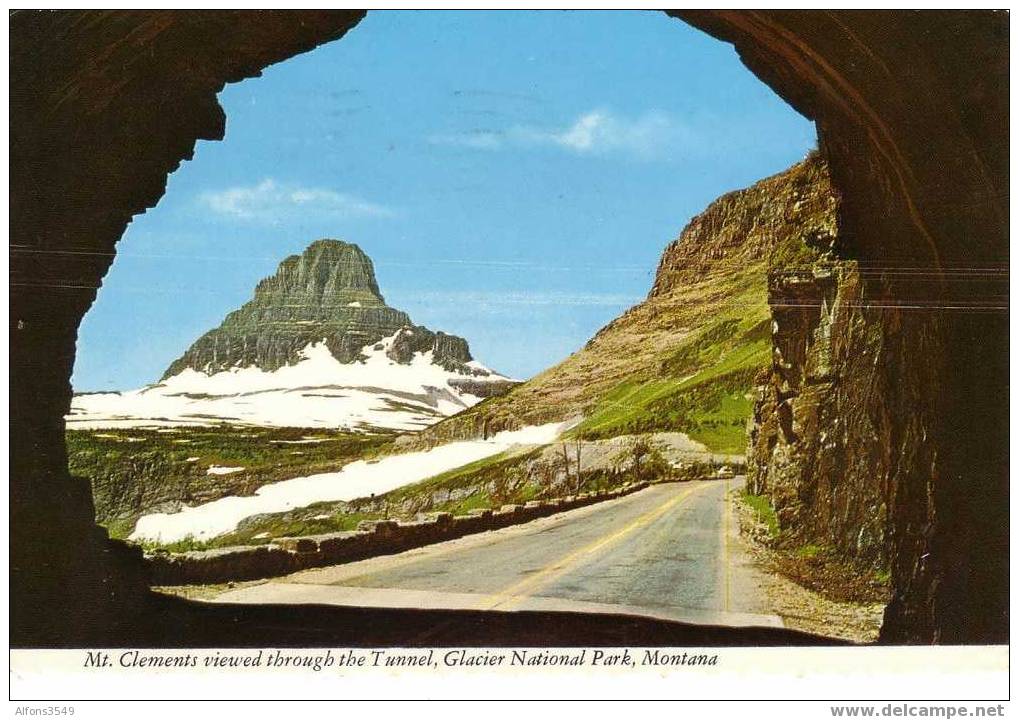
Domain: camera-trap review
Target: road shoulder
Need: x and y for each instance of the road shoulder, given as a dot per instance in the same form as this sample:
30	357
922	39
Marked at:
799	607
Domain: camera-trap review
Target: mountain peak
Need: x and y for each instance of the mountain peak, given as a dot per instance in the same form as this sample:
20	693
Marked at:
327	294
332	273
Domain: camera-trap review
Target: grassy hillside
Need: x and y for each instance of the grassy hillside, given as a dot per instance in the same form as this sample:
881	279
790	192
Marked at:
511	477
135	472
701	385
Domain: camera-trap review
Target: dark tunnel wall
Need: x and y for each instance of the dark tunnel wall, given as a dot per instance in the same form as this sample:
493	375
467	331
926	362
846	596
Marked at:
912	116
104	106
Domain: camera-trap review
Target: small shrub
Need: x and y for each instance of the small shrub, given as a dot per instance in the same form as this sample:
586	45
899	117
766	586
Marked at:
808	552
762	507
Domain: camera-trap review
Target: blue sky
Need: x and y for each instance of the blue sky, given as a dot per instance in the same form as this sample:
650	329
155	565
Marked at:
514	176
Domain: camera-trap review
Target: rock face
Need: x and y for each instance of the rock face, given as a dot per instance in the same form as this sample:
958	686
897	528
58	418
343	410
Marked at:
817	443
327	293
783	221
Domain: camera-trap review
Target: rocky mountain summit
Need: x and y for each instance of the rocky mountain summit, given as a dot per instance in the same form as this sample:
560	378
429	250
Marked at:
316	346
326	294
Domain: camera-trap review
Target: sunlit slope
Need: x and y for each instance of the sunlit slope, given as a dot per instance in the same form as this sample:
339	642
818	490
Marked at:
685	359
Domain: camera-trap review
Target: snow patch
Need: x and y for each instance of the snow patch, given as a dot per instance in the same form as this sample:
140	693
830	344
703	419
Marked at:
222	470
355	480
317	391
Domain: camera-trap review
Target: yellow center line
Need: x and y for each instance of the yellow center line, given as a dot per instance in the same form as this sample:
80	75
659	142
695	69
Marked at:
526	587
381	564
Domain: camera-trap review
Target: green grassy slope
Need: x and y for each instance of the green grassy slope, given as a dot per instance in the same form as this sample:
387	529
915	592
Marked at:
701	387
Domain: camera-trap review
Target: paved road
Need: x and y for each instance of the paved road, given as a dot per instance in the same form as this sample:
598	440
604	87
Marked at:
669	551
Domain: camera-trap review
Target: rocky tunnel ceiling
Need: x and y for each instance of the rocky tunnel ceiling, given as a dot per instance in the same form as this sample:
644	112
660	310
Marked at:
912	117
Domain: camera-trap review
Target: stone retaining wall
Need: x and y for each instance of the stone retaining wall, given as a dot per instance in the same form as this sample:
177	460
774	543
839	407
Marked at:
372	538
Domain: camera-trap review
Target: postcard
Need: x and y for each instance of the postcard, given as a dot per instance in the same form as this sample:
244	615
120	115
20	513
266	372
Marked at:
510	353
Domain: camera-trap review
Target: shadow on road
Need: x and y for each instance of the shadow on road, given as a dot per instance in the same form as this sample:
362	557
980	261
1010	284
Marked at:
177	623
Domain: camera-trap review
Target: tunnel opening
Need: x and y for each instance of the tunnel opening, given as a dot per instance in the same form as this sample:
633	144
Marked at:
791	61
543	197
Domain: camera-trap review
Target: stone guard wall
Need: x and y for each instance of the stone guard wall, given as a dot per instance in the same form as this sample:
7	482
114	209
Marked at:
372	538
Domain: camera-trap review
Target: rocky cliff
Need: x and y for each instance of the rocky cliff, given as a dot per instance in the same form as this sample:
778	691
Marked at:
841	435
327	293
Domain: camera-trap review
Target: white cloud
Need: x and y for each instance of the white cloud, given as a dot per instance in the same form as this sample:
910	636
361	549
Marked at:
271	201
601	131
593	133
